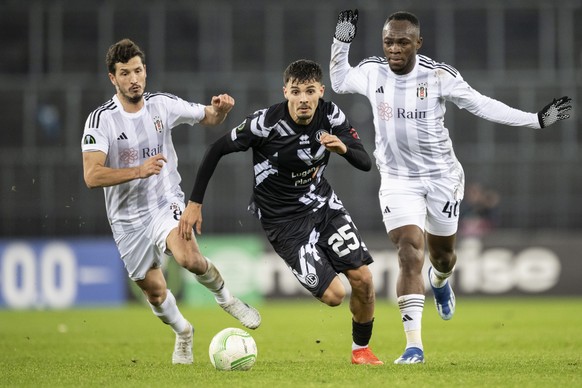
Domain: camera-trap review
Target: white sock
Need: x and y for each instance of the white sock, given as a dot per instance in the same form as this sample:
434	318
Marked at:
439	279
357	347
212	279
169	313
411	307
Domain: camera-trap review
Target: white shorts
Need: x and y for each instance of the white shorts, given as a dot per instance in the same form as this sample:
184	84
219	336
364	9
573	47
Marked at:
146	248
431	204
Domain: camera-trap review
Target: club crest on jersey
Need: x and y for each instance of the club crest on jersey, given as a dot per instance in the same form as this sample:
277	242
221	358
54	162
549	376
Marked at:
311	280
422	90
158	124
319	134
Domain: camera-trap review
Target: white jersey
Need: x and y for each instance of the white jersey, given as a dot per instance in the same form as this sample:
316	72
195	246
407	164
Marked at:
411	139
128	139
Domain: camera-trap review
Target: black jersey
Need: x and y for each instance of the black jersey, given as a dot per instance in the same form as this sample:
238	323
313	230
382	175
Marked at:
288	159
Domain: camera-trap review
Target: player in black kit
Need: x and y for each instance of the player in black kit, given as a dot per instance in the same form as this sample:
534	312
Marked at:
304	220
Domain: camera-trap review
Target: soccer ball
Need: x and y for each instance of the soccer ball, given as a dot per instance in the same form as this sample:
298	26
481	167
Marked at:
232	349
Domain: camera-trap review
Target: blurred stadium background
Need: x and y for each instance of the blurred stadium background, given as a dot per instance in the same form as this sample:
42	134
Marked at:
526	184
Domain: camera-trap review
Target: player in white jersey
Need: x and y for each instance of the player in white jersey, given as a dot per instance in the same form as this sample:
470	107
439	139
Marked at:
422	182
128	150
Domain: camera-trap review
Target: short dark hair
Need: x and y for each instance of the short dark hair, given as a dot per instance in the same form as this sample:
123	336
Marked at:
303	71
404	15
122	52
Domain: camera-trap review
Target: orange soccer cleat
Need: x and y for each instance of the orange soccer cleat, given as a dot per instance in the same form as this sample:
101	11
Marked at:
365	356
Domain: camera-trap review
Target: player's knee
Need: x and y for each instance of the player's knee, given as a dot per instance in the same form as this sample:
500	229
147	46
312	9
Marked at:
155	297
443	260
410	258
332	300
443	263
365	277
334	295
153	286
361	279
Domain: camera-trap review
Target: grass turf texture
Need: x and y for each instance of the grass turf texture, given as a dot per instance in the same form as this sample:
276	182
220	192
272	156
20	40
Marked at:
534	342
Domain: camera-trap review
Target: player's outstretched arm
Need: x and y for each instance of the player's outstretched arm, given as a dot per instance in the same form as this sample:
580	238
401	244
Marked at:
216	112
347	26
555	111
339	66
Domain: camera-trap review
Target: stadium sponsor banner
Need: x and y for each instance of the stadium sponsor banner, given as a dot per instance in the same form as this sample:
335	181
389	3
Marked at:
47	273
504	263
509	262
238	258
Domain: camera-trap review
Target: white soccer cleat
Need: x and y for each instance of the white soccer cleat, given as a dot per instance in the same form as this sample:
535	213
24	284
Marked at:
183	348
247	315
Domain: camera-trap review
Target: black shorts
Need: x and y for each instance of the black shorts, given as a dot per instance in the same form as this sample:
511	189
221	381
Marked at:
319	246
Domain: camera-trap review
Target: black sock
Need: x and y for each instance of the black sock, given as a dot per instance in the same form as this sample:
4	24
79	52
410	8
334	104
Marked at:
362	332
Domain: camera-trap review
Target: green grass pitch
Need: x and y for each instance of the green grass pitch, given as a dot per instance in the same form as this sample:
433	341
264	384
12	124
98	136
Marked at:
530	342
